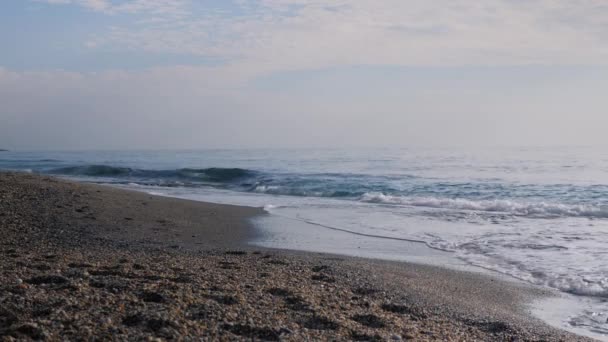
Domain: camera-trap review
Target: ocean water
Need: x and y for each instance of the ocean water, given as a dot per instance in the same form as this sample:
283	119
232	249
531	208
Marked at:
536	214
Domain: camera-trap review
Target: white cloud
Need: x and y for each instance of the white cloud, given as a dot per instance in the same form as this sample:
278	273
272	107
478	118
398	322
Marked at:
304	34
150	7
265	36
97	5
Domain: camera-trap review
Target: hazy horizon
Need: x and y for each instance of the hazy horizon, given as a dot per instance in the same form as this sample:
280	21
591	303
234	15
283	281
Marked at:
183	74
458	148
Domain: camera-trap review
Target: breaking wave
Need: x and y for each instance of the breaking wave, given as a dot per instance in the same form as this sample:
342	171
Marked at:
310	190
528	209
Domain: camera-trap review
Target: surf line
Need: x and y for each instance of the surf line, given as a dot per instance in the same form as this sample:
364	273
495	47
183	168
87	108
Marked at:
361	234
489	269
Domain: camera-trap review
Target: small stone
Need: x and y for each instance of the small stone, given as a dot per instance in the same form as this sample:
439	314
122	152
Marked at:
133	320
285	331
396	338
369	320
152	297
31	330
48	279
320	268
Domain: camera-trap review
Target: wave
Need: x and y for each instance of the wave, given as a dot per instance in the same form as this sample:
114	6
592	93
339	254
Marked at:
93	170
529	209
575	284
526	201
217	174
214	174
578	286
304	191
31	161
591	285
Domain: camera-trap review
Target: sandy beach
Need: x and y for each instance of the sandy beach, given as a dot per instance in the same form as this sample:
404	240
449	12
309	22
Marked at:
82	261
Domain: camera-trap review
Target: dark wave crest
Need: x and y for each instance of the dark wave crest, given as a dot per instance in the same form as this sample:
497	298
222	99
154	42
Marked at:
92	170
217	174
214	174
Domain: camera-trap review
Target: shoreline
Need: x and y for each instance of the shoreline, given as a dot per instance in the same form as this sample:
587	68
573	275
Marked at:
166	267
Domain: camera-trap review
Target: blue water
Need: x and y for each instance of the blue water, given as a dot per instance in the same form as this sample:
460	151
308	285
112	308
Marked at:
537	214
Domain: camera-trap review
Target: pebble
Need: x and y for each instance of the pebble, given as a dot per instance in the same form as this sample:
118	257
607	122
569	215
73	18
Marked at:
285	331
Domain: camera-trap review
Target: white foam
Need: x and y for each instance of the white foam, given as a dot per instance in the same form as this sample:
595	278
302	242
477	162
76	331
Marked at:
530	209
269	207
579	285
265	188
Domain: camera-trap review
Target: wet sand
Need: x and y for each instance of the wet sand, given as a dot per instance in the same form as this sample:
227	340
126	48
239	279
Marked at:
81	260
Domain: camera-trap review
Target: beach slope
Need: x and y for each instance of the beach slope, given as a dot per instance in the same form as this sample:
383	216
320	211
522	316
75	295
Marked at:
82	260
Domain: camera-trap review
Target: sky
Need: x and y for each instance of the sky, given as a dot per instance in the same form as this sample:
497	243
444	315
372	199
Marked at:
194	74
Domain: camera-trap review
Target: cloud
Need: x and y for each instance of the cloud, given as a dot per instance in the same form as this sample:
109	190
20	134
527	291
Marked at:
96	5
149	7
277	81
309	34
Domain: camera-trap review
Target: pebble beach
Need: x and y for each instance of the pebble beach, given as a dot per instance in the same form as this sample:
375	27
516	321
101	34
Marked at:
89	262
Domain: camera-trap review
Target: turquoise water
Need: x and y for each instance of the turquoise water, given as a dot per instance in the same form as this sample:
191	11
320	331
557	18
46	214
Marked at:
537	214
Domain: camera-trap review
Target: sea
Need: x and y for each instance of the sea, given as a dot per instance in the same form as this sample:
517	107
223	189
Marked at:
536	214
